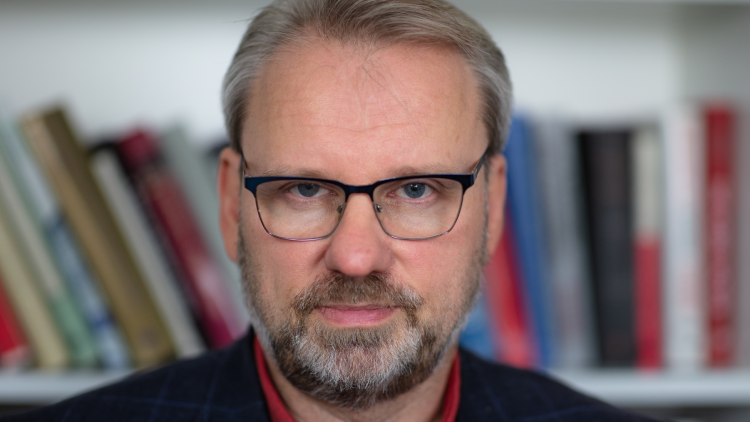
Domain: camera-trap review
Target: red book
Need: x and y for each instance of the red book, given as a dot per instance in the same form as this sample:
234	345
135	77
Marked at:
648	299
720	228
203	283
14	351
648	166
507	304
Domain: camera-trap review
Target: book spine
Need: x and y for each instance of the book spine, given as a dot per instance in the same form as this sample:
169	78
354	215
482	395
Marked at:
507	304
65	163
185	162
606	167
44	208
14	350
648	214
526	220
562	212
208	292
142	243
45	340
683	287
720	228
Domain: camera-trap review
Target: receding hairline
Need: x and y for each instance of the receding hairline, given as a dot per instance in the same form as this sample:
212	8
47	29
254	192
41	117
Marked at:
370	25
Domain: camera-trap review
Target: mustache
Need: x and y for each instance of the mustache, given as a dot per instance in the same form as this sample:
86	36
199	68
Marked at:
336	288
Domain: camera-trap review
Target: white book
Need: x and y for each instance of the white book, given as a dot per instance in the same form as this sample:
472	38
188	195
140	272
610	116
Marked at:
188	165
561	200
142	243
683	274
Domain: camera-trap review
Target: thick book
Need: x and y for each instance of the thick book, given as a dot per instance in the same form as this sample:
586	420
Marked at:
144	246
526	218
31	244
683	287
720	225
507	304
65	163
14	349
45	210
188	164
648	212
561	201
606	166
48	346
208	293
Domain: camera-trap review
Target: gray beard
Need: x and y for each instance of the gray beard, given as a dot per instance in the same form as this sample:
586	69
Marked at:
359	367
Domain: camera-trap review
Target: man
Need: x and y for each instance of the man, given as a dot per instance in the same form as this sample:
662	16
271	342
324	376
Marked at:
361	196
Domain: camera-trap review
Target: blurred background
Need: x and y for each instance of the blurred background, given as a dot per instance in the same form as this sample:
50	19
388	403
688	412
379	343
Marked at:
644	86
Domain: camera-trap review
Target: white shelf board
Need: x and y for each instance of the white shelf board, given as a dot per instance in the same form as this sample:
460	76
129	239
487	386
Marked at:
39	387
663	389
619	387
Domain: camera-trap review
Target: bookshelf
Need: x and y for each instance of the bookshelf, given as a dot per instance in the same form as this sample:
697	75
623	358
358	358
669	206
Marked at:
117	64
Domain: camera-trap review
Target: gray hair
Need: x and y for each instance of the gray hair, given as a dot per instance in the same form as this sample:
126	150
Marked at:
377	22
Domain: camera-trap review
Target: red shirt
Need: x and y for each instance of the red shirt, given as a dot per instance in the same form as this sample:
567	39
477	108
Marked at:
280	414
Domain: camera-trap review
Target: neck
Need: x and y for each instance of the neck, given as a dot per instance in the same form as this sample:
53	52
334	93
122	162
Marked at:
423	403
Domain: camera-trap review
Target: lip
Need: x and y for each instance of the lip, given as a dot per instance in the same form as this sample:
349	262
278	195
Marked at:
355	315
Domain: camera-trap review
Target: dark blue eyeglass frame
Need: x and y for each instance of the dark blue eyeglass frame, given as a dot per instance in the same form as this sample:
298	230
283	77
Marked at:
466	180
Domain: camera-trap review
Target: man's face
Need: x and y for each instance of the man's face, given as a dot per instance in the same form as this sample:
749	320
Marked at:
359	316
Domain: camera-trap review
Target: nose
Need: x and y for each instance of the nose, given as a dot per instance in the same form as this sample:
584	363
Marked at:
359	246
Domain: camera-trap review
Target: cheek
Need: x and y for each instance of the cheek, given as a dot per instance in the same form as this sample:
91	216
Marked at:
281	268
442	269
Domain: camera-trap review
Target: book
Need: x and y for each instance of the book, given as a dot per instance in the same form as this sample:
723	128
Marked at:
187	164
561	202
44	208
478	335
683	288
14	349
208	293
36	321
525	216
43	271
720	228
144	246
66	166
507	304
606	166
647	184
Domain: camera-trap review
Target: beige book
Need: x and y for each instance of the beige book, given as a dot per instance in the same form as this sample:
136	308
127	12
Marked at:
67	167
46	342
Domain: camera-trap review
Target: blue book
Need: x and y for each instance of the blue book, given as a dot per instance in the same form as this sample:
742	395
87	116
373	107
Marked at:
478	335
526	218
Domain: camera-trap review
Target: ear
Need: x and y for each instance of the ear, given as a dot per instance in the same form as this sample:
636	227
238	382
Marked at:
229	185
496	166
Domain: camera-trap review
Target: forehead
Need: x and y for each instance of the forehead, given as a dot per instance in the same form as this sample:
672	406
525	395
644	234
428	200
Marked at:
359	115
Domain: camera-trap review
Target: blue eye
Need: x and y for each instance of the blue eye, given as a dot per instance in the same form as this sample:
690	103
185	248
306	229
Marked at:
307	190
414	190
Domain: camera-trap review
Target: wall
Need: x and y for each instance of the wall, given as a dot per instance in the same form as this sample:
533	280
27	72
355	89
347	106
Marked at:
118	63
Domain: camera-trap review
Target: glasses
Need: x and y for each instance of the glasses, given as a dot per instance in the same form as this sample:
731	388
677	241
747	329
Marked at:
408	208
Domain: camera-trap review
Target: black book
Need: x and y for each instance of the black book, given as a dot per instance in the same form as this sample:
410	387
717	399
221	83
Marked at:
606	166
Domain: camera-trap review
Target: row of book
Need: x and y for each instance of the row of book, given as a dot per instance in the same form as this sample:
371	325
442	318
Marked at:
619	245
109	257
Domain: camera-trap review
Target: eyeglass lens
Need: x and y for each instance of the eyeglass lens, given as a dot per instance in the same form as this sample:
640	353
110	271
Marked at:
408	209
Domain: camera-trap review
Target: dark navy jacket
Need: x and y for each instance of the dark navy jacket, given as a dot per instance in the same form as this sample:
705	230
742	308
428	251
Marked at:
224	386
